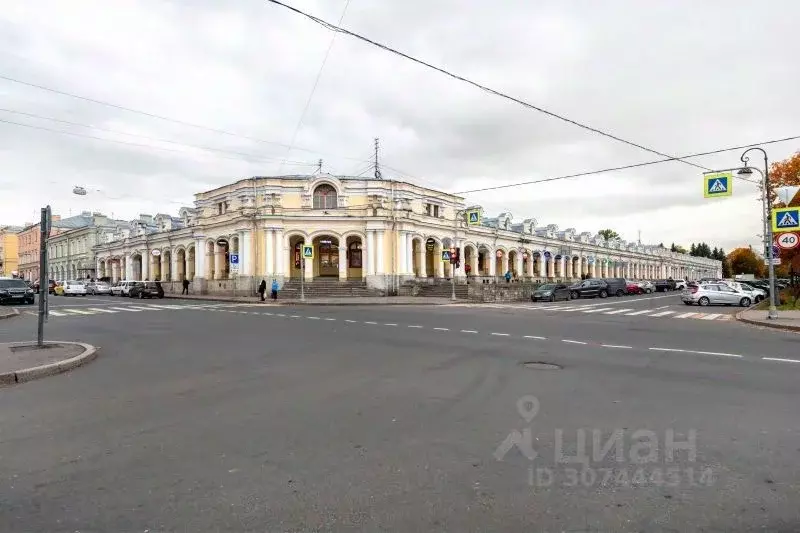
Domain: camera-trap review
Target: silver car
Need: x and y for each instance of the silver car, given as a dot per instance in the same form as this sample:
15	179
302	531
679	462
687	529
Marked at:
98	287
716	294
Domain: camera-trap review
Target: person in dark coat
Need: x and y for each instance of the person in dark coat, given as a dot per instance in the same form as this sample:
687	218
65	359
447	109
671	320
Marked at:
185	286
262	288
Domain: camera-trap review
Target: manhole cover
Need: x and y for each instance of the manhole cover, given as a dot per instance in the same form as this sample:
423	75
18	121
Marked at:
541	365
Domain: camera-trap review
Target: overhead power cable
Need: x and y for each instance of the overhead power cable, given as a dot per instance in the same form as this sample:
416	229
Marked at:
159	117
313	89
155	139
635	165
489	90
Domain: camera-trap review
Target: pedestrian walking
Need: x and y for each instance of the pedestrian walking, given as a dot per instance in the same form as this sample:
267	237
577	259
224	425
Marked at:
262	288
508	276
274	289
185	286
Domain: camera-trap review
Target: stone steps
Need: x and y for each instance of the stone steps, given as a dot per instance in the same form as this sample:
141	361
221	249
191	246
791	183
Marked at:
329	288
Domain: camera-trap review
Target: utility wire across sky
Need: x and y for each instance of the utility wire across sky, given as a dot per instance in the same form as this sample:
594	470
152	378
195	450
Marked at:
489	90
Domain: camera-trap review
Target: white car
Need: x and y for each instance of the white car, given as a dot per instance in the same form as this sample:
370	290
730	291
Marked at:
122	288
756	293
98	287
74	288
680	284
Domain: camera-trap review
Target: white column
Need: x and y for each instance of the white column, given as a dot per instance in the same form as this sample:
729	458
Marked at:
379	253
520	273
423	262
438	264
244	253
199	258
505	264
551	267
461	272
542	266
146	264
269	252
369	252
343	260
280	249
400	238
493	263
561	267
173	269
409	247
568	268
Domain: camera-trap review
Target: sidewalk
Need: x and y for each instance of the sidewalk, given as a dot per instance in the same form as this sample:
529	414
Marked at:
350	300
24	361
787	320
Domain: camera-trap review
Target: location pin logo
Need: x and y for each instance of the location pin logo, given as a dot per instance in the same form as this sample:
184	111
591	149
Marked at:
528	407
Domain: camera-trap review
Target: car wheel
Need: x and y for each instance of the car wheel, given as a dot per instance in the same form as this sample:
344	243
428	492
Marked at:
620	293
603	294
688	303
745	302
160	296
552	297
141	296
575	295
704	301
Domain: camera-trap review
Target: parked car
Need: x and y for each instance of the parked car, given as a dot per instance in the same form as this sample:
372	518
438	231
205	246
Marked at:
640	287
664	285
58	288
716	294
51	287
680	284
756	293
551	292
74	288
13	290
589	289
122	288
98	287
617	286
648	286
145	289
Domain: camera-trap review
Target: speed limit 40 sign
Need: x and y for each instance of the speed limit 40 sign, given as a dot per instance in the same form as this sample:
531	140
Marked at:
787	241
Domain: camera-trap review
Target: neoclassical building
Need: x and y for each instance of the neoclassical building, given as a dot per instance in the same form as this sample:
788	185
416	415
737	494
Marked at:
382	232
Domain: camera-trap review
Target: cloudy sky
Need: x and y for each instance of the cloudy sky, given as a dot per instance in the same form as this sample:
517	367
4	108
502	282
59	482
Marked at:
679	77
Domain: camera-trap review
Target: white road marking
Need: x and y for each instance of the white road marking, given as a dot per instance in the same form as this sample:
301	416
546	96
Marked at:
714	353
468	331
389	324
125	309
616	346
351	321
77	311
712	316
666	349
414	326
312	317
54	313
330	319
367	322
500	334
640	312
618	311
280	314
290	316
535	337
143	308
99	310
781	359
657	308
572	342
684	315
663	313
442	329
598	309
269	314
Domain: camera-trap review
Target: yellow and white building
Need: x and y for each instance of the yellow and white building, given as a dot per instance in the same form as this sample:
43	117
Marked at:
381	232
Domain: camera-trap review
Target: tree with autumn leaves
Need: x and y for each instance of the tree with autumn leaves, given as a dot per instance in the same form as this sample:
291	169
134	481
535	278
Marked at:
786	173
745	261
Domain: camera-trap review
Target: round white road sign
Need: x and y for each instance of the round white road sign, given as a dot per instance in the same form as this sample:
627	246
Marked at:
787	240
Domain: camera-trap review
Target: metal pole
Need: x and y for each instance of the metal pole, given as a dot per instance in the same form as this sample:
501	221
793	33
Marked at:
773	309
452	263
302	278
44	284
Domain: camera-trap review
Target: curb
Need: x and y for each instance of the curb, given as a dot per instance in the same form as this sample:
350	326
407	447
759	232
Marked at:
51	369
765	324
313	302
14	312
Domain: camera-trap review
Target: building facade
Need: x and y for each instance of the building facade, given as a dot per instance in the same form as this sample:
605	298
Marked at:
71	251
9	251
382	232
29	252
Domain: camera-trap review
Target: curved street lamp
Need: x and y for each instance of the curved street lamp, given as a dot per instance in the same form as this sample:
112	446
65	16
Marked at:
766	198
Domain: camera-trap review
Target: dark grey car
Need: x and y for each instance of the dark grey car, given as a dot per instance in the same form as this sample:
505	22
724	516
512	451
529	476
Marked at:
551	292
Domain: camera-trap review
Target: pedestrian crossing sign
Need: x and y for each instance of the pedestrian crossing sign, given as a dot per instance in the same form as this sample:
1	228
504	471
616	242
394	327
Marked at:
445	256
785	219
717	184
308	251
474	217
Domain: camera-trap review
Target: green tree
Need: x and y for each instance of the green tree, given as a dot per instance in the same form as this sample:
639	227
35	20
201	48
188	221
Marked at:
672	248
745	261
608	234
693	250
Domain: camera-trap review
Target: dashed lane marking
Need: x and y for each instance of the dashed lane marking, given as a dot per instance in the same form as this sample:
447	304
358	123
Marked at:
499	334
417	327
781	359
535	337
617	346
370	322
442	329
468	331
570	341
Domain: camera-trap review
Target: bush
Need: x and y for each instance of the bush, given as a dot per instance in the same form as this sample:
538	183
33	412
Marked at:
789	296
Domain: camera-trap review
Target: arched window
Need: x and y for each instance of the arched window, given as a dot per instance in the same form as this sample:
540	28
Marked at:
325	197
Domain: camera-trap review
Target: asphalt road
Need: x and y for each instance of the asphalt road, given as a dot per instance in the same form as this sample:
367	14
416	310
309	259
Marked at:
257	418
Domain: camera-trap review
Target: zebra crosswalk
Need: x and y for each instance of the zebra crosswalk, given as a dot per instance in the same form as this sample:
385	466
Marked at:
599	309
65	312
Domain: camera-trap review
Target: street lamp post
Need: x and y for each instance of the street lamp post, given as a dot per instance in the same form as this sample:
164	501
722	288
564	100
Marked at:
767	215
458	215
